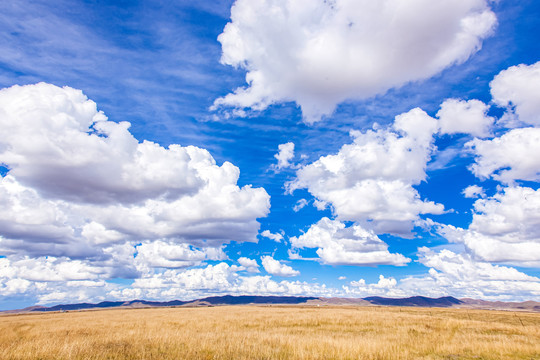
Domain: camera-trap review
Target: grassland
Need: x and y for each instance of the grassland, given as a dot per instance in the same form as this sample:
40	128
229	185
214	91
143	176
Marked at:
250	332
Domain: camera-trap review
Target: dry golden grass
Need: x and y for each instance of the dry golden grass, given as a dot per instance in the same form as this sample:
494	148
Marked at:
250	332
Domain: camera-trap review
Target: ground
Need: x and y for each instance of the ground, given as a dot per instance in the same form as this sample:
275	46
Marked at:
272	332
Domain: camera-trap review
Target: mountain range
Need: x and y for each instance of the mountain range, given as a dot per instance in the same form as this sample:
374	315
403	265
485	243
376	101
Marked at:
415	301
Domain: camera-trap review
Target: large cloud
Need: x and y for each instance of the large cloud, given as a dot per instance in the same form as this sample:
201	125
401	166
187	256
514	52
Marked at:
371	180
337	244
161	254
77	180
319	53
461	276
518	88
505	228
220	278
513	156
53	280
50	279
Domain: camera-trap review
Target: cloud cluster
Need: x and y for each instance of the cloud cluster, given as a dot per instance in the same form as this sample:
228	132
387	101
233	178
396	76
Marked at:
83	201
220	278
461	276
77	180
371	180
337	244
54	280
320	53
51	279
161	254
507	158
505	228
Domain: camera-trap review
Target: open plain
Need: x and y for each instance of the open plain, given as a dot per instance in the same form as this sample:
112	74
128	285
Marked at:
272	332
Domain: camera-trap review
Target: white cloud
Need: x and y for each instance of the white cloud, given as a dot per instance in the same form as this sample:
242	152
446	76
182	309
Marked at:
300	204
509	157
61	145
371	180
24	214
473	191
250	265
384	283
384	287
48	269
213	279
50	279
277	237
274	267
450	274
466	117
78	183
320	53
460	276
171	255
340	245
518	88
284	156
505	228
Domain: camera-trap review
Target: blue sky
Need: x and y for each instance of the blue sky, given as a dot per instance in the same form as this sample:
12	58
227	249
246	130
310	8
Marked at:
273	147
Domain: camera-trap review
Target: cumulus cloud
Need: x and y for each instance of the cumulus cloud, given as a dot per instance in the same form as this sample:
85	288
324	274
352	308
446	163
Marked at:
61	145
371	180
48	281
48	269
384	287
250	265
284	156
277	237
275	267
473	191
518	89
461	276
509	157
337	244
51	279
220	278
384	283
320	53
78	183
505	228
83	201
465	117
170	255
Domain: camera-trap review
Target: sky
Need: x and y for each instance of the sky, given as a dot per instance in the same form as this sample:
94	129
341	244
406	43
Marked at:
165	150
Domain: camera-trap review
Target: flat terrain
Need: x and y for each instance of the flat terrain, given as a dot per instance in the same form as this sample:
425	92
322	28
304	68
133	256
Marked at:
276	332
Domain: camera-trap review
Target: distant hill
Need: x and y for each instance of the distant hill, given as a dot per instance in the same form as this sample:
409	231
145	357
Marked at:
501	305
418	301
446	301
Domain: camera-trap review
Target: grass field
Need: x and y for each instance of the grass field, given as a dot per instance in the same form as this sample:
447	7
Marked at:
250	332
